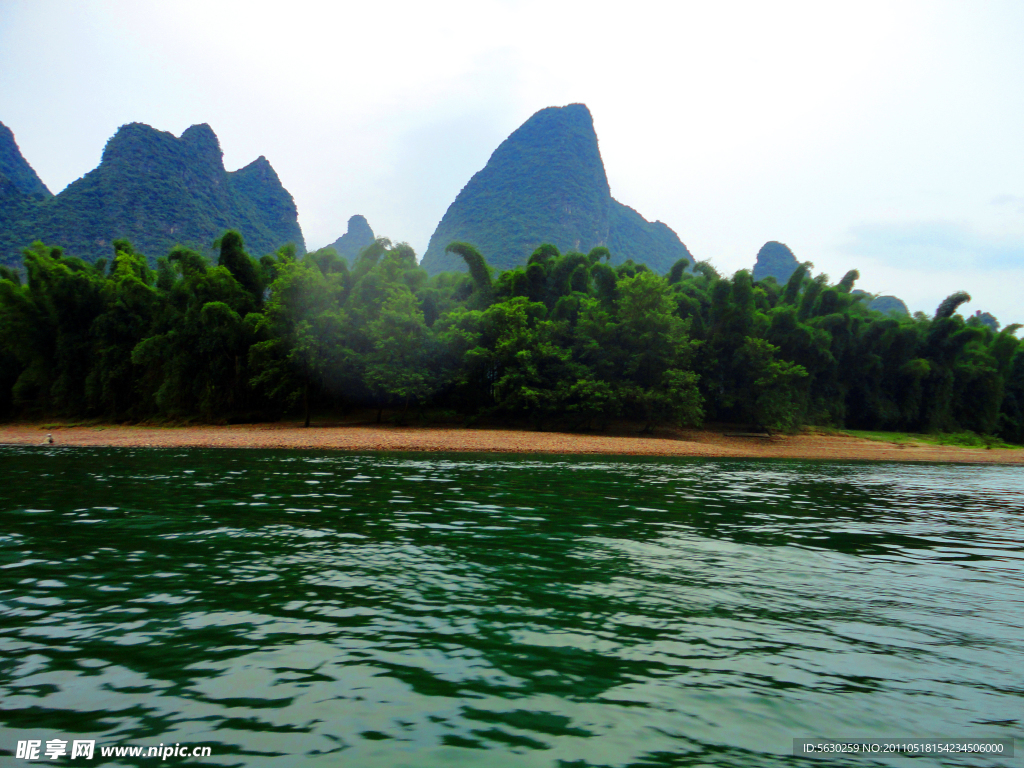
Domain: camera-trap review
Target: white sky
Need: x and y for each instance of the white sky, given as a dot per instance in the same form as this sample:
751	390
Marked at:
886	136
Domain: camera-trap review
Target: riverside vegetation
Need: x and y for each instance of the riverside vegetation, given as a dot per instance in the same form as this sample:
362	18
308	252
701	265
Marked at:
567	340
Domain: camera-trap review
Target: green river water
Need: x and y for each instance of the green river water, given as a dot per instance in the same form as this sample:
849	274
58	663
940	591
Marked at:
332	609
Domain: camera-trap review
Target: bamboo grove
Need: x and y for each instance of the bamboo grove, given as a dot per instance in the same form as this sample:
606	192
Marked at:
567	340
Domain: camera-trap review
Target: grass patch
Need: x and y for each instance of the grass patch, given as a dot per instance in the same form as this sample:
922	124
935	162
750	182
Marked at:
960	439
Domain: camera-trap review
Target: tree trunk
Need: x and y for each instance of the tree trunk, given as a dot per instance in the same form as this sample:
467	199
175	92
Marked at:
305	397
380	411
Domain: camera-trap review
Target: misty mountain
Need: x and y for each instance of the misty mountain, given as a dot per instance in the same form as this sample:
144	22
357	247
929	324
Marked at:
156	190
546	183
889	304
356	237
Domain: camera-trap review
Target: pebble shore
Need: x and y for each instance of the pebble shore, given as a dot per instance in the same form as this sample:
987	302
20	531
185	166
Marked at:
374	437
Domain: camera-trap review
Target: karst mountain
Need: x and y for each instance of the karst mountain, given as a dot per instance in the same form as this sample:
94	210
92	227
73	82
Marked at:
151	187
546	183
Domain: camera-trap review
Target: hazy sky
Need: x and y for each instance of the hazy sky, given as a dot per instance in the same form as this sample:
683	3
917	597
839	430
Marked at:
886	136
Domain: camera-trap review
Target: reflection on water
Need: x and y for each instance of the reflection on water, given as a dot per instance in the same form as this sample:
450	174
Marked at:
417	610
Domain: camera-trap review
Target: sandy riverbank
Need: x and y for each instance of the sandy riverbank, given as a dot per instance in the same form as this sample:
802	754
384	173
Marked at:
365	437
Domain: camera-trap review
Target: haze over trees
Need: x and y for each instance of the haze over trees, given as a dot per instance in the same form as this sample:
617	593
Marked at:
566	339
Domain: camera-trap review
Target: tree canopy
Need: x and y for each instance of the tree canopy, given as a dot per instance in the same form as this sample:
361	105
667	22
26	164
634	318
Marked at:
565	339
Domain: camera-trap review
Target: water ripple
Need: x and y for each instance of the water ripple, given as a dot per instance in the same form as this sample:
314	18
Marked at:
417	610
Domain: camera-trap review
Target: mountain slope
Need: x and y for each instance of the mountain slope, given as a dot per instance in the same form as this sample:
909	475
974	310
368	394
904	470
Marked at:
546	183
20	191
16	169
258	186
631	236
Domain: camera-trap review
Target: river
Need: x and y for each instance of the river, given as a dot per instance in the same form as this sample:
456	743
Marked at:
288	608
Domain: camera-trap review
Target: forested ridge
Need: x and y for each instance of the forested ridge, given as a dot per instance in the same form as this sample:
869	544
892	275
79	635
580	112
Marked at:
567	340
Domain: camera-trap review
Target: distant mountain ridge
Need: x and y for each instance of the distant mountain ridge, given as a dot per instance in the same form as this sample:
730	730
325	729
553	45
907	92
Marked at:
546	183
156	190
776	260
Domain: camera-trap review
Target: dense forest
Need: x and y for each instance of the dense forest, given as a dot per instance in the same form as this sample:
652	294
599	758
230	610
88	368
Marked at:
567	340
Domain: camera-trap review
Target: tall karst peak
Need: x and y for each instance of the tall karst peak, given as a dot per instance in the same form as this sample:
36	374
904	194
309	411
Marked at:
15	169
546	183
556	141
158	191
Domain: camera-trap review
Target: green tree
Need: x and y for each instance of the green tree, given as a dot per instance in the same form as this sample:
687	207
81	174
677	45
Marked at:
768	385
397	368
302	332
113	385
